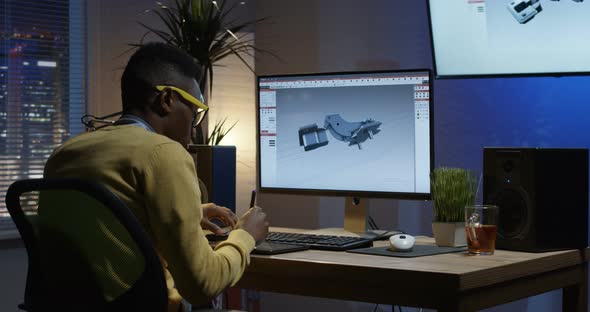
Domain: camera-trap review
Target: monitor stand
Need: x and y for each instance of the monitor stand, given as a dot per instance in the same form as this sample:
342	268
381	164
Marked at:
356	214
356	218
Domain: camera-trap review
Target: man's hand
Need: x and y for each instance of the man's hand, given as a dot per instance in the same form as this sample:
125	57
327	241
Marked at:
212	211
254	222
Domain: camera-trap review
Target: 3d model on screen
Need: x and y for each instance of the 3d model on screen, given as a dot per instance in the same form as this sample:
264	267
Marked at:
524	10
312	137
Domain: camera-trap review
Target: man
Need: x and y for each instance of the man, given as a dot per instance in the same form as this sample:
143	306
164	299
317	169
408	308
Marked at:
143	160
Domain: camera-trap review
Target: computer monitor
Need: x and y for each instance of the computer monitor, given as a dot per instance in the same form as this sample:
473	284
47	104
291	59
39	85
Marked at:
357	134
472	38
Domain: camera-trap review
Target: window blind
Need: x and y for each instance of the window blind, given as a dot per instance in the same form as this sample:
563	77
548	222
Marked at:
42	86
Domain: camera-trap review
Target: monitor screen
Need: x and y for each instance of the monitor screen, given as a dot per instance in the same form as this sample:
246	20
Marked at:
356	134
510	37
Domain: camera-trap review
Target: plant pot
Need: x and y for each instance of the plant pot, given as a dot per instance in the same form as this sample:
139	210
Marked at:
450	234
216	167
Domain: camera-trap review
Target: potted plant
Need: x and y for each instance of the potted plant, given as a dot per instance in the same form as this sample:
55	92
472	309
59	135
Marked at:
208	31
220	130
216	166
452	189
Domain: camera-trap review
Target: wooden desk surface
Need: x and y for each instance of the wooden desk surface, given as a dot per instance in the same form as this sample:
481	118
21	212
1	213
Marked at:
405	280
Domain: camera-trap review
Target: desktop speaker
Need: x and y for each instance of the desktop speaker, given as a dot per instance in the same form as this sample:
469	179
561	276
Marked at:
542	195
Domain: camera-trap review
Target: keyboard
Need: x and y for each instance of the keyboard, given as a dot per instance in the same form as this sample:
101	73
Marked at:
323	242
269	248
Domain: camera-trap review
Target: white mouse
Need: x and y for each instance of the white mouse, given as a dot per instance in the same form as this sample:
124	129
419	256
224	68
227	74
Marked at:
402	242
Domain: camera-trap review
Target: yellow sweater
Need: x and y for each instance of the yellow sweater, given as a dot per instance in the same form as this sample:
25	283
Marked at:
156	178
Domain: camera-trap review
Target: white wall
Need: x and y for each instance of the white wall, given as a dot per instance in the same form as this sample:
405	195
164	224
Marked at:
112	26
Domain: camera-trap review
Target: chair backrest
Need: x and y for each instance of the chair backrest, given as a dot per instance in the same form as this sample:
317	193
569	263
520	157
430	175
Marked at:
86	250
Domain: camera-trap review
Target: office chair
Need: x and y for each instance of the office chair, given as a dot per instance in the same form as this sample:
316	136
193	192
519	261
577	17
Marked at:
86	250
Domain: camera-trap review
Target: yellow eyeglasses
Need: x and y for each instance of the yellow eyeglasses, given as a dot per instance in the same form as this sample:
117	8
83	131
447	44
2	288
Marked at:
185	95
202	109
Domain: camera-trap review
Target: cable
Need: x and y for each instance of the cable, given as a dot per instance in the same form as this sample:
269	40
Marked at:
372	223
90	121
376	306
387	233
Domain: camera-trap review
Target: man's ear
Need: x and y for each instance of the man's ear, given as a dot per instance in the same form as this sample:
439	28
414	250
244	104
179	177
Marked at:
162	105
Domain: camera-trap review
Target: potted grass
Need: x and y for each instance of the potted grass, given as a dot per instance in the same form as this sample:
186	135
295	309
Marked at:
452	190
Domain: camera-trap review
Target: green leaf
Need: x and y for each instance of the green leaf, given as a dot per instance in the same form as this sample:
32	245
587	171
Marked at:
452	189
219	132
207	31
204	31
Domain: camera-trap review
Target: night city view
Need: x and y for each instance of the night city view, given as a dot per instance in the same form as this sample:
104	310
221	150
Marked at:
35	95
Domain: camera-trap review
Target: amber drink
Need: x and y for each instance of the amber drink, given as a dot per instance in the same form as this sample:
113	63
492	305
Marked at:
484	240
480	229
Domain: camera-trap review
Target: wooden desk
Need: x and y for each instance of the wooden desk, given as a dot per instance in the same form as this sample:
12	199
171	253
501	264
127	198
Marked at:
447	282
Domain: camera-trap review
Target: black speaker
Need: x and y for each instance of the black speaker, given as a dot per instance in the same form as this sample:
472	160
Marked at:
542	195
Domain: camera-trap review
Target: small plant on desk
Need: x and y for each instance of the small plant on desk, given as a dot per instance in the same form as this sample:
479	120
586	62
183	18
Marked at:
452	189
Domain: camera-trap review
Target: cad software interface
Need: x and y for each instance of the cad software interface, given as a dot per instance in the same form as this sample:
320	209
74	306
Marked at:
472	37
348	132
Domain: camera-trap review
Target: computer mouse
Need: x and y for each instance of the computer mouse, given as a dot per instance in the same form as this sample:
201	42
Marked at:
402	242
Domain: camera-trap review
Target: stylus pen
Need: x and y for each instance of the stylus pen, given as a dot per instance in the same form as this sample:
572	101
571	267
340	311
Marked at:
253	198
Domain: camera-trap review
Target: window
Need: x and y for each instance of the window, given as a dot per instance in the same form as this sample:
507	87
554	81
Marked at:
42	85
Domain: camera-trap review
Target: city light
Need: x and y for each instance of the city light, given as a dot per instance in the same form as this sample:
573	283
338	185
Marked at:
35	108
46	64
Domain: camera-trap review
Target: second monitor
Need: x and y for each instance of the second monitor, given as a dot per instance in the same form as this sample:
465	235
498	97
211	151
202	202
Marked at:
365	134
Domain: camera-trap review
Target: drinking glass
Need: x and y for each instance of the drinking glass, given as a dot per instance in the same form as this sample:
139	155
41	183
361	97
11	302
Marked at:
481	223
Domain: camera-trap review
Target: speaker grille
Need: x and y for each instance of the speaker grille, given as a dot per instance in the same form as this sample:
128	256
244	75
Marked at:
513	213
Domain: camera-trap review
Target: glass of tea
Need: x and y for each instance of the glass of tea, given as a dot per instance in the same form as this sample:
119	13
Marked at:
481	223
